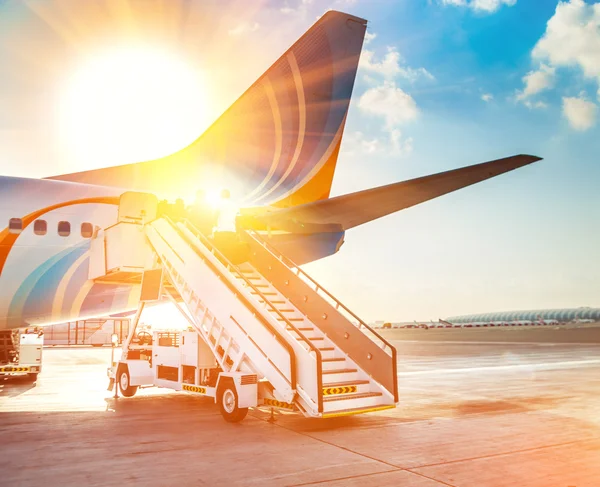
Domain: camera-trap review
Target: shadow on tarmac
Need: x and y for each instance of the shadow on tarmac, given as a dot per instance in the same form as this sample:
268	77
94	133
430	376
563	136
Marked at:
15	386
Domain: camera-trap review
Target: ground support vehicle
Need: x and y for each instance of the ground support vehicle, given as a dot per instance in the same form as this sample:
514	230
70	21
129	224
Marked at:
21	353
266	333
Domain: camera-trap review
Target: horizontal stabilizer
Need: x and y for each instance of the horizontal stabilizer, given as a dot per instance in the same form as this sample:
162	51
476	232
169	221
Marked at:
354	209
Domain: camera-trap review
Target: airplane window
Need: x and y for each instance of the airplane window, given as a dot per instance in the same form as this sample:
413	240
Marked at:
64	229
87	229
15	225
40	227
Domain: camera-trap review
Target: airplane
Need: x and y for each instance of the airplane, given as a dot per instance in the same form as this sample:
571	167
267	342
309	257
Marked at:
276	148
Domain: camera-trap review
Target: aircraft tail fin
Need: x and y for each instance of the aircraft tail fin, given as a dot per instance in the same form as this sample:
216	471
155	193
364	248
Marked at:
278	143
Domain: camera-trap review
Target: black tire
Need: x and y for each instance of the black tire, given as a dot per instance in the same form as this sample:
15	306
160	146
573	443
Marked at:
124	381
32	377
227	400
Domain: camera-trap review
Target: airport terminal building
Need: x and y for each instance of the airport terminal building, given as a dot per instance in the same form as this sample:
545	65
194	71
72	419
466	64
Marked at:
563	315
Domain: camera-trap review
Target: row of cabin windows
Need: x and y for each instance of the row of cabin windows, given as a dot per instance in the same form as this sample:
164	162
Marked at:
40	227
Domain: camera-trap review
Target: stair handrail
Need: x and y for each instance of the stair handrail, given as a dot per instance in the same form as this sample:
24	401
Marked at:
229	265
280	338
292	265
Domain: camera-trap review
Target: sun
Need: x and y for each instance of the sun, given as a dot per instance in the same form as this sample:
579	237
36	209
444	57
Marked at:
132	104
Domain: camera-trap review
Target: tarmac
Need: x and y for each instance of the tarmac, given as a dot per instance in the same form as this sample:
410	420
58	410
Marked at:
471	414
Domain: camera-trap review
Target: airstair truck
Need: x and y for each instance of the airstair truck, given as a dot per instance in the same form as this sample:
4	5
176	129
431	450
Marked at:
21	353
260	333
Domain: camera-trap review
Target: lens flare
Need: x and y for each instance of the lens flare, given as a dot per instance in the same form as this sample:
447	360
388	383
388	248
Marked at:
127	105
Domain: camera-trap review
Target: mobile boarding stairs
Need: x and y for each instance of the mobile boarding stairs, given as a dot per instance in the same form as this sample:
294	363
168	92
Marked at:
261	333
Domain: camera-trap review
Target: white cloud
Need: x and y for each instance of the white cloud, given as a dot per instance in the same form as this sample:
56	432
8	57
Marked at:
243	28
488	6
390	102
385	99
369	37
413	74
399	146
370	80
358	143
537	81
300	7
396	107
535	104
390	66
572	38
580	113
487	97
456	3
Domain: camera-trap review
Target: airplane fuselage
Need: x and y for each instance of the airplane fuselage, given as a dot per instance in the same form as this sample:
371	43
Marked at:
45	236
43	266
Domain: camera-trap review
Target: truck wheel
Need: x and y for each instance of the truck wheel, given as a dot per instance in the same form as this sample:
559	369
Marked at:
228	402
125	382
32	377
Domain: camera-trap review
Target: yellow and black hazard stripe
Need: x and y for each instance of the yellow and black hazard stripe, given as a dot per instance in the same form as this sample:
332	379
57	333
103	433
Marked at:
352	412
277	404
15	369
331	391
196	389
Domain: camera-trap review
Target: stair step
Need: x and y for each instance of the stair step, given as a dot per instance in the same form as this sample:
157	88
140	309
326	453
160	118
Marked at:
339	371
290	319
358	395
349	412
346	383
341	359
317	338
326	349
265	294
301	328
274	301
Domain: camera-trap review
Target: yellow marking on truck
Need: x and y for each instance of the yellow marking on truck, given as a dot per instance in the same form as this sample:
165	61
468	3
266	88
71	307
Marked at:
196	389
277	404
332	391
15	369
359	411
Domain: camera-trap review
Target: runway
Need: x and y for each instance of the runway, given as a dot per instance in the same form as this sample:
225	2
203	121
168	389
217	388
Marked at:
471	414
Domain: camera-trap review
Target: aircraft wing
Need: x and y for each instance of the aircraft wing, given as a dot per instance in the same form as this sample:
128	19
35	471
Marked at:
354	209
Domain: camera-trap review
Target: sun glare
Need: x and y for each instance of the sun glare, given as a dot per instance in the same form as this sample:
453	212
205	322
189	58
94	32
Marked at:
129	105
213	198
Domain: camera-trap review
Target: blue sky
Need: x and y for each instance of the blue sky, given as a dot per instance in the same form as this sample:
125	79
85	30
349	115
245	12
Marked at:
442	84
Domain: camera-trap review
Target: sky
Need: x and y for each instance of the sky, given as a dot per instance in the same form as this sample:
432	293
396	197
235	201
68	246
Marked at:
441	84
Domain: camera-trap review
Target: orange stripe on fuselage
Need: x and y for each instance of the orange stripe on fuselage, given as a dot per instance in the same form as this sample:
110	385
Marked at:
7	239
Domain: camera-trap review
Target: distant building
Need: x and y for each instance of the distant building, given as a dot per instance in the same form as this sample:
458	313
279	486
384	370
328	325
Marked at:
561	315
